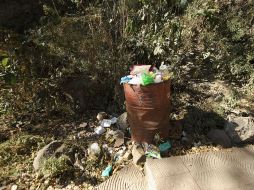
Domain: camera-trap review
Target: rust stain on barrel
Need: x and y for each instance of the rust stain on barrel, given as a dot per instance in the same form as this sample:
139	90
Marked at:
148	109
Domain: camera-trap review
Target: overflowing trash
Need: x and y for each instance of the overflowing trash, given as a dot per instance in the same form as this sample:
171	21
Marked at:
147	74
113	145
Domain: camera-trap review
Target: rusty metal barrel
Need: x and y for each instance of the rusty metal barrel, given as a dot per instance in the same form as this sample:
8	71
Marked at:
148	109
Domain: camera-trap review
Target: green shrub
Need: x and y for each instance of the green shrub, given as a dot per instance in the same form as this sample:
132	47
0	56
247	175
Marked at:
54	167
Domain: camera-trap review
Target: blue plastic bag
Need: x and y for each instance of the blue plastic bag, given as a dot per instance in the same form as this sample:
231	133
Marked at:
107	171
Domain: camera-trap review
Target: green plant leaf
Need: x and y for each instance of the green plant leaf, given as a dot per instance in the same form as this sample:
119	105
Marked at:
5	61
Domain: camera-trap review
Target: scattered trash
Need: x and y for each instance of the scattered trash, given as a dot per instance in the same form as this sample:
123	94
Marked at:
151	151
101	116
107	171
106	123
113	120
99	130
94	149
164	147
119	154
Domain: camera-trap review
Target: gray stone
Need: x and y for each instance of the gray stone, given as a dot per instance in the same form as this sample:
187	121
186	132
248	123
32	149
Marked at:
122	121
119	138
219	137
138	154
240	129
45	152
83	125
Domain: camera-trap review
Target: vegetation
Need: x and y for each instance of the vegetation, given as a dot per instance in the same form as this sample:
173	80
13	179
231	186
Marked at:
57	66
53	167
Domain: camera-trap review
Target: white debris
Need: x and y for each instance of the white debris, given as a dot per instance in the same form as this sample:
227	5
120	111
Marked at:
99	130
106	123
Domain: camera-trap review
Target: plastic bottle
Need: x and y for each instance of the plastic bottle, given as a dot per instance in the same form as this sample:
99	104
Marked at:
164	69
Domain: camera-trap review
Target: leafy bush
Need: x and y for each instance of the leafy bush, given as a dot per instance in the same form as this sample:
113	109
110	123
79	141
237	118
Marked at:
73	61
54	167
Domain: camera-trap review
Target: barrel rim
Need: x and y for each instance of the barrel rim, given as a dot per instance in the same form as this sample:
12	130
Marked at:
140	85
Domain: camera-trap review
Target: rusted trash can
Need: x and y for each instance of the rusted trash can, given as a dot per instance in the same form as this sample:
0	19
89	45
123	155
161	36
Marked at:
148	109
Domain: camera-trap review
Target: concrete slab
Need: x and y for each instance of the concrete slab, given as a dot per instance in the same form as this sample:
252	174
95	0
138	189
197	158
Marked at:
231	169
174	182
162	167
222	179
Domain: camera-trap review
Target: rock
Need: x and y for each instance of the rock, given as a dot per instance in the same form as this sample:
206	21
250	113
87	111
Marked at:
138	154
219	137
83	125
240	129
60	150
44	153
119	138
14	187
122	122
67	125
101	116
